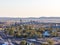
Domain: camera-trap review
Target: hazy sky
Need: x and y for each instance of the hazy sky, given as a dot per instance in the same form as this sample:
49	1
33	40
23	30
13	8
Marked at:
29	8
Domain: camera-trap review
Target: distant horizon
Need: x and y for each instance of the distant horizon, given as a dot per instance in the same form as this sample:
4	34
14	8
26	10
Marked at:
26	17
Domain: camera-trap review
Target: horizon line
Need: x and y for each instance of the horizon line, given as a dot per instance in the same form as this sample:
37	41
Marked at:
29	17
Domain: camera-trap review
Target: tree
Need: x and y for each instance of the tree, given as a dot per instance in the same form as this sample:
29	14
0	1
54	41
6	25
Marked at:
32	44
50	42
18	34
6	30
54	33
11	32
23	42
39	35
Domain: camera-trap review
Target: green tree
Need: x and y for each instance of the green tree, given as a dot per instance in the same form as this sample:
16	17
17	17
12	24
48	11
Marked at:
11	32
32	44
54	33
18	34
23	42
50	42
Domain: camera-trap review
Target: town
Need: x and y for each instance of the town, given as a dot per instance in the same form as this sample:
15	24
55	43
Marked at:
29	22
29	33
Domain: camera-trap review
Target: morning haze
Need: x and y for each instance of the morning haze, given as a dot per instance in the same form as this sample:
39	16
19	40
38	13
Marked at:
29	8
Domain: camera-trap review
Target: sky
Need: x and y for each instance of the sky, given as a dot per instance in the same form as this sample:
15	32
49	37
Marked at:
29	8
